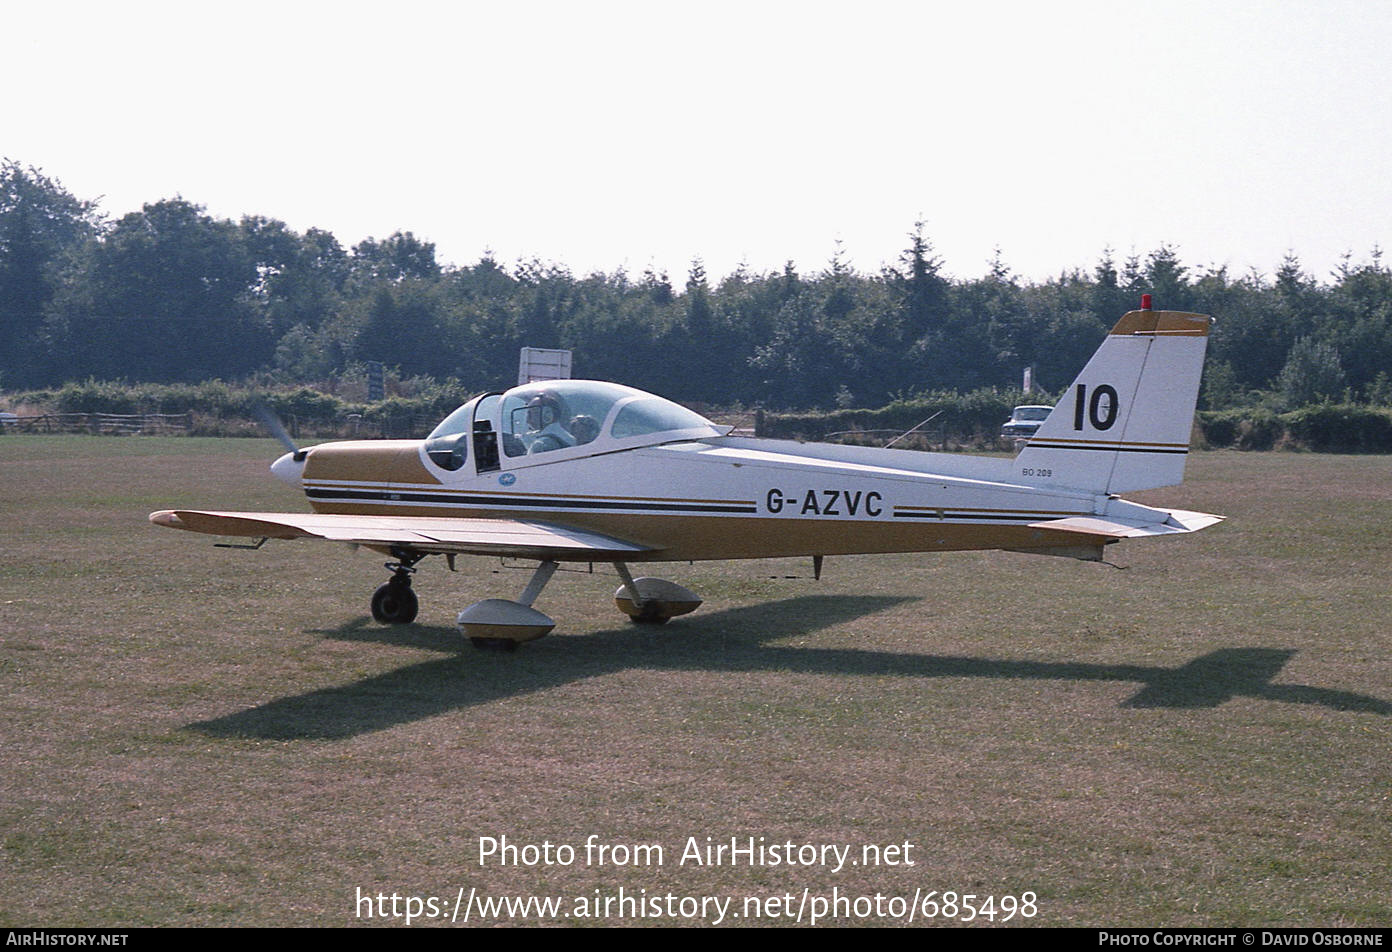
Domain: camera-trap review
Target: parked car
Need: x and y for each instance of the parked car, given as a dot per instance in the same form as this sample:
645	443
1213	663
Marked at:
1024	421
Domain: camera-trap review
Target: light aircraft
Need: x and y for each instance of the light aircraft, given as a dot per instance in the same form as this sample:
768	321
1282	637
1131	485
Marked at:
588	471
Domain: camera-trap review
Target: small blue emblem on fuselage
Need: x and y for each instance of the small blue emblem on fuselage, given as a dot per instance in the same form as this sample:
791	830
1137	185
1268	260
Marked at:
507	479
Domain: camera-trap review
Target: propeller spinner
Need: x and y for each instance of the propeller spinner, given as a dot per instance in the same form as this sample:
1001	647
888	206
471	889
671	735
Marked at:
290	467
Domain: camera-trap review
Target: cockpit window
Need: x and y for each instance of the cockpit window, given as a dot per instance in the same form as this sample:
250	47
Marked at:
559	414
537	421
456	422
448	444
654	415
448	451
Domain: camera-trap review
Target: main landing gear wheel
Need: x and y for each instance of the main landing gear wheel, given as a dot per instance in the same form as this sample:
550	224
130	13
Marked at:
496	624
495	644
658	600
650	615
394	603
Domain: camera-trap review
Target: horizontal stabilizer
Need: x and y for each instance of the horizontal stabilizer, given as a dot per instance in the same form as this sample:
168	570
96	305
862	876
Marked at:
1087	535
1175	521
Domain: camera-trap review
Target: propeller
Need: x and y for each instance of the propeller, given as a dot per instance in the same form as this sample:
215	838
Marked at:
290	467
272	423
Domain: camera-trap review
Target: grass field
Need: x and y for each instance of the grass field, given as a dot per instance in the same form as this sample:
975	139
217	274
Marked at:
204	736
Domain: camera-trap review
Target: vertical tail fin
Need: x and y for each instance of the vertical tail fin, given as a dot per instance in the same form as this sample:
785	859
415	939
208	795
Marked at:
1124	424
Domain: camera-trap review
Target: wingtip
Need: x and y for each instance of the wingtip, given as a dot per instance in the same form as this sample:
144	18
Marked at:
168	518
1188	521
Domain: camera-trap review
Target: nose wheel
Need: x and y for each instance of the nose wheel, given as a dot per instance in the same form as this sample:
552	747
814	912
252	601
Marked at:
395	603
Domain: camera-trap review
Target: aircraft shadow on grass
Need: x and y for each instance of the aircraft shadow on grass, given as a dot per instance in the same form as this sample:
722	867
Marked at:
733	641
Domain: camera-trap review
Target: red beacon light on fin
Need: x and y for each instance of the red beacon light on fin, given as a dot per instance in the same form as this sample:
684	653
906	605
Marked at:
1145	302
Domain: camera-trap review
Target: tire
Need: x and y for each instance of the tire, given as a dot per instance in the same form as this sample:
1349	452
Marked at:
494	644
395	604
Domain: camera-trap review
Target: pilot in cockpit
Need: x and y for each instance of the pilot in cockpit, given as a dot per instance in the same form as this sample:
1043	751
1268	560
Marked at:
545	431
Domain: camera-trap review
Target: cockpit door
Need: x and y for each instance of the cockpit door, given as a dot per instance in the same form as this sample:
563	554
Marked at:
485	435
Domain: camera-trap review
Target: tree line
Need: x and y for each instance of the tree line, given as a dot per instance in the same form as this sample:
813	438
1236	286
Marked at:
170	294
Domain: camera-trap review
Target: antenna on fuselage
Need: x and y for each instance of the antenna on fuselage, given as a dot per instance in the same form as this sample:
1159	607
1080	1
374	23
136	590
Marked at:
914	427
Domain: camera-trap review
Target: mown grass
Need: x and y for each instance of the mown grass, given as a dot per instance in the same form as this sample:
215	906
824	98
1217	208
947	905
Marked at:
195	735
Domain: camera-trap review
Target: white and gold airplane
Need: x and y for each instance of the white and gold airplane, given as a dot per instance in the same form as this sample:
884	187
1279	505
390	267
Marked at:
587	471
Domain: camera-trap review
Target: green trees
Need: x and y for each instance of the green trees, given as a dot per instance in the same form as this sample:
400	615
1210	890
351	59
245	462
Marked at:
399	257
170	293
300	279
164	295
1312	374
922	290
41	227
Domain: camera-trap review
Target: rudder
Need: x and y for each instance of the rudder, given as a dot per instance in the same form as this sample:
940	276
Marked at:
1124	424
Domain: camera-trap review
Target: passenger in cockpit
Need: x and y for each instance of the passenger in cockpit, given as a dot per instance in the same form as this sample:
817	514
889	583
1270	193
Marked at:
584	428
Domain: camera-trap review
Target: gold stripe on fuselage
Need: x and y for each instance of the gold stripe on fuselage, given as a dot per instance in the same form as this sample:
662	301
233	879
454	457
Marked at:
1003	513
683	538
485	494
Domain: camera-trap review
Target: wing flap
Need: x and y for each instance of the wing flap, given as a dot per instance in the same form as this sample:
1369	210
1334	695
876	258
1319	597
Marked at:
514	537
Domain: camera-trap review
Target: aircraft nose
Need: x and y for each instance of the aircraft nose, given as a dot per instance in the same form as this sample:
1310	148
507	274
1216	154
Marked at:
289	469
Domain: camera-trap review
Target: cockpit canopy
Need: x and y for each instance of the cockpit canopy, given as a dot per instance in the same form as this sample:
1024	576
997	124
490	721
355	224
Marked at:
558	415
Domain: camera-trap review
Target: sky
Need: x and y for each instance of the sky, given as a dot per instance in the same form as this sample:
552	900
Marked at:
631	135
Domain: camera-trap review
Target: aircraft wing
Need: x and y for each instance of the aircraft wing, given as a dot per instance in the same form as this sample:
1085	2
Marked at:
504	537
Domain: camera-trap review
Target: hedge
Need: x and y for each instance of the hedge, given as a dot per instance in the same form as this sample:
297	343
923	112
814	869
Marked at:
1326	427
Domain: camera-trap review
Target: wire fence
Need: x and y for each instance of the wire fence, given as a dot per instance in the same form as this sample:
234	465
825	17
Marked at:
108	424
